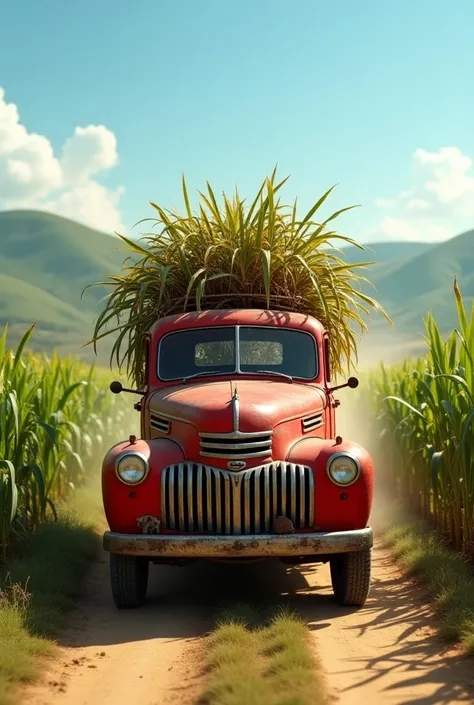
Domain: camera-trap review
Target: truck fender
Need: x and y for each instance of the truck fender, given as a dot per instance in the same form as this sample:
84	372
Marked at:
336	507
124	504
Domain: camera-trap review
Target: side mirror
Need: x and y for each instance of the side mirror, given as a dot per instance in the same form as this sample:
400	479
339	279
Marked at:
352	382
116	388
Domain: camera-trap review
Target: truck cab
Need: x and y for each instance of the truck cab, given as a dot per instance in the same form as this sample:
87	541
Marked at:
238	455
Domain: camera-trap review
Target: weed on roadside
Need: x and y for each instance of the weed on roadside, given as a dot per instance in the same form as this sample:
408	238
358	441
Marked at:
448	576
256	659
37	587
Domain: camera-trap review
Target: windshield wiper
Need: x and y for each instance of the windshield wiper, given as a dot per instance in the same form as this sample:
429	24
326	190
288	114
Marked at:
274	373
204	374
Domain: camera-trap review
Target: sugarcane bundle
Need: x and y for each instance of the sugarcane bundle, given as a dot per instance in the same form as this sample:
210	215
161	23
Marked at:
236	255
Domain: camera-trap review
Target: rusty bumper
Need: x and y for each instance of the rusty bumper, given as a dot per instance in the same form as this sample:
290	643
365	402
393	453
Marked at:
248	546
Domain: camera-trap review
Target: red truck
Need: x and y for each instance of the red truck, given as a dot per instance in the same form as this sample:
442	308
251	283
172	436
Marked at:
238	455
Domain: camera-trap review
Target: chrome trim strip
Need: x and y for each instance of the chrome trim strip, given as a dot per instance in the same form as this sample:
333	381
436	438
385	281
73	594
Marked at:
257	514
246	479
293	491
171	497
283	489
311	496
248	546
303	492
210	520
181	525
200	520
227	491
237	434
237	456
233	446
276	475
218	476
190	497
247	445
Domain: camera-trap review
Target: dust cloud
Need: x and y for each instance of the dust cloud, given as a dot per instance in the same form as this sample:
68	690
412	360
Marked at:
355	420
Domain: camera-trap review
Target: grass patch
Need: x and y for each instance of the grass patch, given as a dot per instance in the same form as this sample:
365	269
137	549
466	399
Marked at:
448	577
254	659
37	587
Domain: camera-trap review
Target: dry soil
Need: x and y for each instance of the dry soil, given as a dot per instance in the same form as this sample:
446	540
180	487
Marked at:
386	652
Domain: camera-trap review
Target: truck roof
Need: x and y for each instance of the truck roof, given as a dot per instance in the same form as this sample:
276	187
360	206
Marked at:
233	317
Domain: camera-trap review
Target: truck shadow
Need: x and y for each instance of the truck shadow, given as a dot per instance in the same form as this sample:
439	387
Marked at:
183	602
394	648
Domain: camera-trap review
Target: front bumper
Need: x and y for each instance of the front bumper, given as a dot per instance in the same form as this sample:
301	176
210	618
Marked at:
246	546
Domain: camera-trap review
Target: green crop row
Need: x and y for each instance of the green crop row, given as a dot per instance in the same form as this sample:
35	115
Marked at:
424	410
57	417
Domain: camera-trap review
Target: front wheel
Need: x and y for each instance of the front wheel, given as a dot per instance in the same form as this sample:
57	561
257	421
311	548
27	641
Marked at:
128	580
350	577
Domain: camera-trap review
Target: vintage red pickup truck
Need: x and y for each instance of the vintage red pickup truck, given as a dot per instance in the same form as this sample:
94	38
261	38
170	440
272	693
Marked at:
239	457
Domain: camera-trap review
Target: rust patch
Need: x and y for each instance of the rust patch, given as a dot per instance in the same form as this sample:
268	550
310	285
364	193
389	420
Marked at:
205	546
149	524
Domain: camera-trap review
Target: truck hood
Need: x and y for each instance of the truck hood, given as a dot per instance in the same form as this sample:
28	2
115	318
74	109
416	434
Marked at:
262	404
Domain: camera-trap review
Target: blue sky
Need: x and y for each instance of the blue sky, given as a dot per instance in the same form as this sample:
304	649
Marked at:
334	92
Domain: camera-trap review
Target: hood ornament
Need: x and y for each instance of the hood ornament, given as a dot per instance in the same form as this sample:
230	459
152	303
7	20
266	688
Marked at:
235	410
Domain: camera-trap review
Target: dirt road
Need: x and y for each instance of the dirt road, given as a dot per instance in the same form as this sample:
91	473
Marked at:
386	653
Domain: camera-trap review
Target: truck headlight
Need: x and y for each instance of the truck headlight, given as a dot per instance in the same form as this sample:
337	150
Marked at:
131	467
343	469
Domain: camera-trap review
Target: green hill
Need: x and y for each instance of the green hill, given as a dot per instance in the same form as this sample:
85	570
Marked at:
46	261
386	252
424	283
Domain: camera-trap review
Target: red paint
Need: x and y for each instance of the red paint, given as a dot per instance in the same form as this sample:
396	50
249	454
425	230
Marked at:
121	509
331	512
204	406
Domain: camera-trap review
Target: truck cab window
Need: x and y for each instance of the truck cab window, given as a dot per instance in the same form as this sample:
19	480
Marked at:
206	350
188	352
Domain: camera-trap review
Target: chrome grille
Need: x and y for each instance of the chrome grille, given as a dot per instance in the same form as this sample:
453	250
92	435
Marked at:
197	497
238	445
311	423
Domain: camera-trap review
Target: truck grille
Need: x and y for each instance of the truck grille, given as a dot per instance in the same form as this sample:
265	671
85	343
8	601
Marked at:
236	445
197	497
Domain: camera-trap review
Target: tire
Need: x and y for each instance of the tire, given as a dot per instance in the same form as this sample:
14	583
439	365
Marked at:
128	580
350	577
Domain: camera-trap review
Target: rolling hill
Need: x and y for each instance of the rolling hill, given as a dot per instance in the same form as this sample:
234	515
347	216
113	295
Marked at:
412	287
46	261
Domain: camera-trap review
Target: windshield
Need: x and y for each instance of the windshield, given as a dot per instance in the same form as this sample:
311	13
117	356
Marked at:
207	351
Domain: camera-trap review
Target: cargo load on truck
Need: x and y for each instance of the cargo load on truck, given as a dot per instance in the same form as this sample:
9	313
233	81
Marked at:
241	253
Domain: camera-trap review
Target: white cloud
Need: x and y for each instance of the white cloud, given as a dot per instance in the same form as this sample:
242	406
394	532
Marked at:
31	176
89	203
398	229
91	149
440	202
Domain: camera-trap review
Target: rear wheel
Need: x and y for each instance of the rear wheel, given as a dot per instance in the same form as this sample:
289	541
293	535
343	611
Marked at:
350	576
128	580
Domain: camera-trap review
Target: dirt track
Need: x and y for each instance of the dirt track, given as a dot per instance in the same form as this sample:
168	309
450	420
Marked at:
384	653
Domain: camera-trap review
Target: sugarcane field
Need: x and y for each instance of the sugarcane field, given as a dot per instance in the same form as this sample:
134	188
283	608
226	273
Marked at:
236	406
